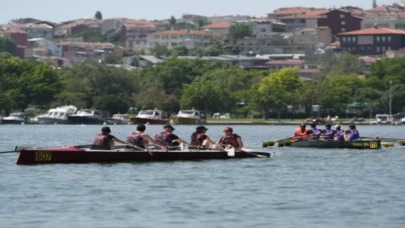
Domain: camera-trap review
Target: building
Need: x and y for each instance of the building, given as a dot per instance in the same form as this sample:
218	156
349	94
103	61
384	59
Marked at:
135	34
272	43
227	18
301	21
292	11
393	20
280	64
35	30
262	27
69	29
339	21
81	51
19	37
219	28
313	36
372	41
188	38
396	54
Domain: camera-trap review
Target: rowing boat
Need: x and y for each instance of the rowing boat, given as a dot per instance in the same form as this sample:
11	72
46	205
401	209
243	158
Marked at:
31	156
328	144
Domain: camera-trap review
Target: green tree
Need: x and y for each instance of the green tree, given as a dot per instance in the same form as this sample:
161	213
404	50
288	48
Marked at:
5	55
92	35
113	59
154	96
239	31
278	90
172	22
208	96
98	15
7	45
111	103
160	50
180	51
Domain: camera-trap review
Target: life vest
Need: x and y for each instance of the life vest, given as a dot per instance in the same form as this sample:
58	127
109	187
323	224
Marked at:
300	133
328	133
197	139
339	135
163	138
314	131
136	139
101	142
230	140
354	134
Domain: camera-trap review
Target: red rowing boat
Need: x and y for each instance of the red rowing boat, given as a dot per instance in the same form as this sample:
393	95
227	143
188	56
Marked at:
80	155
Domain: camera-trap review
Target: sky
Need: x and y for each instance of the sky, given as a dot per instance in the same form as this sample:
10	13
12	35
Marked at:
58	11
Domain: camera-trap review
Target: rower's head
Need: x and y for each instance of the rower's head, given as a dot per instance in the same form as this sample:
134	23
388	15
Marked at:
228	131
201	129
338	127
328	126
303	126
313	125
141	128
168	128
352	127
105	130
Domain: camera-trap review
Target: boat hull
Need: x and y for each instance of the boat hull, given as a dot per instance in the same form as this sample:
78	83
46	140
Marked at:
52	121
184	120
137	120
84	120
331	144
77	155
14	122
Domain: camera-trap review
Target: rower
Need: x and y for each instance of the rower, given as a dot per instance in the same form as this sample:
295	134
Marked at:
302	132
167	138
105	141
352	134
140	139
327	133
231	139
199	138
339	133
315	131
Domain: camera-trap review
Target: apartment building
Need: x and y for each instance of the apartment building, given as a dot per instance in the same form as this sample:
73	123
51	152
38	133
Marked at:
135	34
339	20
188	38
35	30
313	36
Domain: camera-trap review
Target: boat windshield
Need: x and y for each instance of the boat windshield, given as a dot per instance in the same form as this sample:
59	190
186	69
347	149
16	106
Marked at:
148	113
50	113
55	113
188	112
61	114
85	112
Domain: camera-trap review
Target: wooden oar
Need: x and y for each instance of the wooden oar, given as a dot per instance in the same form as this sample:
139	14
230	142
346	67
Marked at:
243	150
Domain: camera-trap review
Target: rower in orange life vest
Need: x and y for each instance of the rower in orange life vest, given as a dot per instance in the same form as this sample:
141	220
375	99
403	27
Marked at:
231	139
105	141
200	139
140	139
302	132
167	138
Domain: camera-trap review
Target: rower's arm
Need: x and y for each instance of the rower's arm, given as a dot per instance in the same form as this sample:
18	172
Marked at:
181	141
239	142
154	142
122	142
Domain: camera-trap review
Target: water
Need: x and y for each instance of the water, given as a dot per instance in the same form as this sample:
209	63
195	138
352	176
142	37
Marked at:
297	188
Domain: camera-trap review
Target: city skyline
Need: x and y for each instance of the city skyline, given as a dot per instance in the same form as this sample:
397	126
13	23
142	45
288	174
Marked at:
48	10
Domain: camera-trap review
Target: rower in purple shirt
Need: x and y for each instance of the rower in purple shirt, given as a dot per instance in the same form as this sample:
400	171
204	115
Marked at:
352	134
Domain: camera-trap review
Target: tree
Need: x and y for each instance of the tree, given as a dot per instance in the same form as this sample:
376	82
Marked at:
278	90
111	103
113	59
180	51
154	96
7	45
239	31
5	55
208	96
172	22
98	15
160	50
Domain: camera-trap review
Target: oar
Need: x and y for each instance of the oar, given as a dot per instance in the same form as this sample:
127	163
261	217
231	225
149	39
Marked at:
147	150
242	150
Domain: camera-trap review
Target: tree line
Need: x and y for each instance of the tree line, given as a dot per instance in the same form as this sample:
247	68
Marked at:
213	86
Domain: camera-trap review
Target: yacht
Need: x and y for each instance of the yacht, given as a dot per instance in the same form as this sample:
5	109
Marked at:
189	117
88	116
154	116
15	118
57	115
118	119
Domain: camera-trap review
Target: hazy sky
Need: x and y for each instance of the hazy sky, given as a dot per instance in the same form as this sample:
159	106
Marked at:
57	11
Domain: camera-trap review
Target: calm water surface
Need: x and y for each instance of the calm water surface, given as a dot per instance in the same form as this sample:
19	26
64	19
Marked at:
296	188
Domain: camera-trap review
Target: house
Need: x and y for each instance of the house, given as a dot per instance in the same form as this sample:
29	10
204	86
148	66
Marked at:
280	64
35	30
313	36
37	52
18	36
227	18
261	27
272	43
188	38
291	11
80	51
53	48
372	41
339	21
393	20
69	29
115	24
218	28
396	54
301	21
135	34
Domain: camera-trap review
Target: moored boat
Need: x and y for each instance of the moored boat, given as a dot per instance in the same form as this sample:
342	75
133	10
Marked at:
15	118
57	115
154	116
118	119
330	144
189	117
87	116
80	155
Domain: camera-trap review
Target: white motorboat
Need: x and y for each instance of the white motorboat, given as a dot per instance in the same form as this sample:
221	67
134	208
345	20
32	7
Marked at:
88	116
118	119
15	118
57	115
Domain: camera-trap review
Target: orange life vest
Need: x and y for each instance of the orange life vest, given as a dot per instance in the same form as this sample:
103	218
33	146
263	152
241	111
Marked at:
230	141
